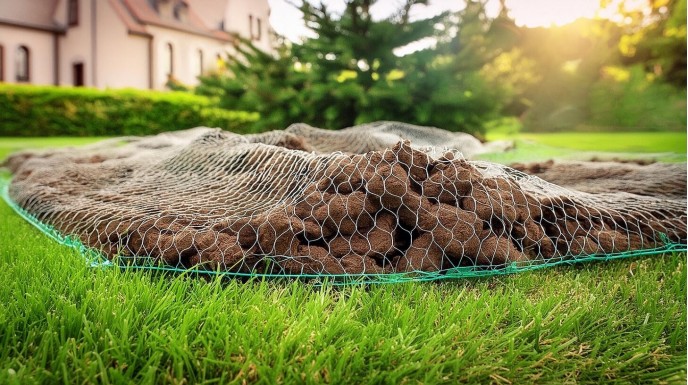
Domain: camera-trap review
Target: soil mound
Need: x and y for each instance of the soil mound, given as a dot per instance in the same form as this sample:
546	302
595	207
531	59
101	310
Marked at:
642	178
376	136
216	200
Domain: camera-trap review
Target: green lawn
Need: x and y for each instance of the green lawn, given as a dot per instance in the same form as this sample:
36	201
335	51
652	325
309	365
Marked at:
62	322
9	145
644	142
660	146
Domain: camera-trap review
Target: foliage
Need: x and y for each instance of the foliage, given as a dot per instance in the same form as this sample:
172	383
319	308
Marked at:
627	75
470	79
568	60
349	73
355	76
52	111
657	41
333	80
633	100
256	81
480	69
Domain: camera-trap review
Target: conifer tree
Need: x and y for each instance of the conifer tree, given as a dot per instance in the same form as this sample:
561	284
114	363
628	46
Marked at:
355	75
349	72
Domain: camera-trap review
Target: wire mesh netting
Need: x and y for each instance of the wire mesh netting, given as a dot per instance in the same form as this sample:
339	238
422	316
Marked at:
314	203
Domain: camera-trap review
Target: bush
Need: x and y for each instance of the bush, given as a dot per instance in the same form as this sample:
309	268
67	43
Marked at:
60	111
630	99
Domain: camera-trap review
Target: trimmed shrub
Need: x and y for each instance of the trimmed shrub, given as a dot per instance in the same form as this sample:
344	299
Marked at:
62	111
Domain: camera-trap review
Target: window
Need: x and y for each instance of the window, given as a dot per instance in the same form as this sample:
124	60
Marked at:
23	63
200	62
78	74
254	31
181	11
73	12
170	59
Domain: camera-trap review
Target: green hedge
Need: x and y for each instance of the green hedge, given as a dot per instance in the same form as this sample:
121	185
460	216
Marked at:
63	111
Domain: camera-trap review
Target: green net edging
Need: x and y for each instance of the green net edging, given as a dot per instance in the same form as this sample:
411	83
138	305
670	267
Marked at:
94	258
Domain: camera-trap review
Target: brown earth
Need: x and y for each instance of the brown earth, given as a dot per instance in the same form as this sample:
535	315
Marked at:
637	177
266	209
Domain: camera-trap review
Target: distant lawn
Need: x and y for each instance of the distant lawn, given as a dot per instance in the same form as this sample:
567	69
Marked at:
614	142
9	145
663	146
62	322
659	146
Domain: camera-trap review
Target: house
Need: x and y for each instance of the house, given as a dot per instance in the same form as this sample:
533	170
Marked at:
123	43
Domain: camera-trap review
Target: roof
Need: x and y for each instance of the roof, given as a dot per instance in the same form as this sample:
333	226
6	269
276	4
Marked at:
140	13
132	25
37	14
135	14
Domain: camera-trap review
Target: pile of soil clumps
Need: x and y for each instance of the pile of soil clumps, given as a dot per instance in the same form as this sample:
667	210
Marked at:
637	177
219	201
376	136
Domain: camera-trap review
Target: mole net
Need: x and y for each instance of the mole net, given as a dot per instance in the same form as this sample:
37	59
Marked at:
302	202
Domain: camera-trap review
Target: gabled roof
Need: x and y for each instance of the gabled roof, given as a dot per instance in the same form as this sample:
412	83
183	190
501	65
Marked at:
36	14
132	25
137	14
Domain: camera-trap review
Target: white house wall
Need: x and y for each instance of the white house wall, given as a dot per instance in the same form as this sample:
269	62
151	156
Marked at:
75	47
237	20
113	57
122	57
41	53
185	55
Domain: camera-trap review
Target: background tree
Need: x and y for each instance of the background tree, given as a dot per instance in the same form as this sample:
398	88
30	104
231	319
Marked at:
353	74
590	74
332	80
470	77
256	81
656	40
349	73
643	86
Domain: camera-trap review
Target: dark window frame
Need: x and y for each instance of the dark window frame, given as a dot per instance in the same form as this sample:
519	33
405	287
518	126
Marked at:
73	13
200	62
2	63
255	33
78	74
180	9
23	69
170	59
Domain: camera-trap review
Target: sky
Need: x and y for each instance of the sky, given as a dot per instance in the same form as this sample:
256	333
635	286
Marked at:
286	20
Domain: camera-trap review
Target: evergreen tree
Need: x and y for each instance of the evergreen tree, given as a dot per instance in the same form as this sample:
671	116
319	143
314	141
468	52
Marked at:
256	81
460	88
349	73
354	75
